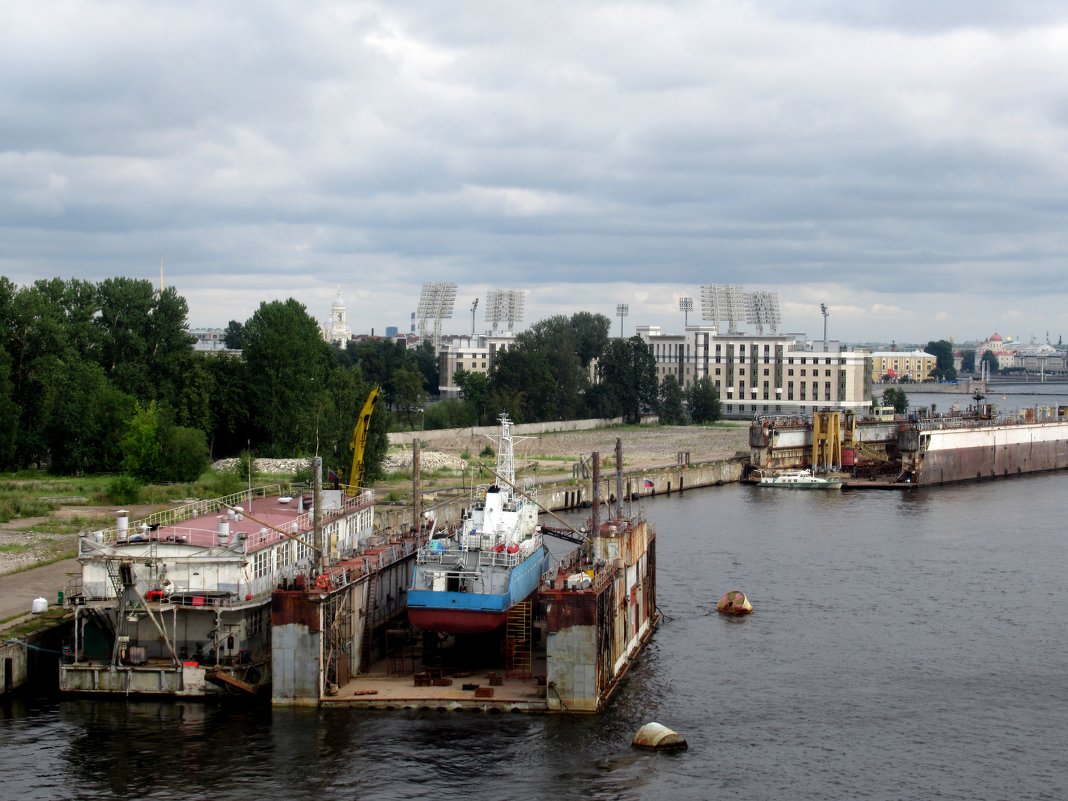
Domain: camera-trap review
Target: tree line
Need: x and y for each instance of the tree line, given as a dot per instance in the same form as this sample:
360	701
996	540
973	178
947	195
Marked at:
103	378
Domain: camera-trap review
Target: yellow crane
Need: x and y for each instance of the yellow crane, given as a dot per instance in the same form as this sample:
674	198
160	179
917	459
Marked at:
359	442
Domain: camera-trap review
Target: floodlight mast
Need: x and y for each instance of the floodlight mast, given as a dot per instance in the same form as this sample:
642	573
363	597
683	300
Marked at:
504	305
825	311
622	310
435	304
686	306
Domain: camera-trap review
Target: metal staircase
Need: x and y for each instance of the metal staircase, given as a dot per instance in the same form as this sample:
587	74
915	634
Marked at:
517	646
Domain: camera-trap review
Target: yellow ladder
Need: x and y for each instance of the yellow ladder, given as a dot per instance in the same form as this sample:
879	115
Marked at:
517	659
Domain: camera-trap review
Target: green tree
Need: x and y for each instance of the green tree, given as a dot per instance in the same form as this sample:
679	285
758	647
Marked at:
591	335
475	391
450	413
184	454
8	411
228	430
142	446
672	407
427	360
942	350
234	336
703	401
897	398
522	385
992	360
85	420
286	359
410	397
553	346
967	361
628	370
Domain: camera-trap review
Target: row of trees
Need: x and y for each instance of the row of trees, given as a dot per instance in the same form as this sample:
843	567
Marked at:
103	378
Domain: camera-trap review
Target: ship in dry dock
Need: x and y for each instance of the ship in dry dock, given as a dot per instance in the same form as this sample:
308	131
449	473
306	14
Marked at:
179	604
916	449
467	579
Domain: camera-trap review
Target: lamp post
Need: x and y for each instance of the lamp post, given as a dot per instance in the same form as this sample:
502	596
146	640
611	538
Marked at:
622	310
823	309
686	306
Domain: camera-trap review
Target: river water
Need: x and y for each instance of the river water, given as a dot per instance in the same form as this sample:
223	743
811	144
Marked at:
904	646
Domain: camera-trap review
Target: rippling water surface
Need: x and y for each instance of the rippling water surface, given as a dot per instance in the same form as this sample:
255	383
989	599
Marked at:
904	646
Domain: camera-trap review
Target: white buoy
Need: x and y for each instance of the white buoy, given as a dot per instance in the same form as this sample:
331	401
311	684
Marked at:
657	737
39	605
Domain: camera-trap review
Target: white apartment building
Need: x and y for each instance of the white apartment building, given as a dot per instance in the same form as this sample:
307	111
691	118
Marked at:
473	354
764	374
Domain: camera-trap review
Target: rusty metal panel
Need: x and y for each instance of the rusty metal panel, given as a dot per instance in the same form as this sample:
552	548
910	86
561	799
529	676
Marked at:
566	609
295	607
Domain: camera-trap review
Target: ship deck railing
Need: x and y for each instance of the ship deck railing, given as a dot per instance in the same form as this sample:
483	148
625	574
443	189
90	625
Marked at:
457	556
163	526
953	423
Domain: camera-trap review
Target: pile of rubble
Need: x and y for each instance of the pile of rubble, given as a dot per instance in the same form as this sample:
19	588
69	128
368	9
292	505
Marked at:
274	467
428	461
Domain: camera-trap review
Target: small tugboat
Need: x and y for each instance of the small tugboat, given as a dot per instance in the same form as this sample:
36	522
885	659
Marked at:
796	479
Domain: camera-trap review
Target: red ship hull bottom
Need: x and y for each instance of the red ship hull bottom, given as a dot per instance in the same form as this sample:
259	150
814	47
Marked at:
452	621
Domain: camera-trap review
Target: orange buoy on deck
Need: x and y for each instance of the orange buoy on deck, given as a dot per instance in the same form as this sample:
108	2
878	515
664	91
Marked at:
734	603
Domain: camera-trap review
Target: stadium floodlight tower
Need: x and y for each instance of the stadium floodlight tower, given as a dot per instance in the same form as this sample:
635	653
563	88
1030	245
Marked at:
505	306
762	309
723	303
686	306
436	302
622	310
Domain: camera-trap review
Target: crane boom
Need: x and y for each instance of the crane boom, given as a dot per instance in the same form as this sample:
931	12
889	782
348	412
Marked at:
359	442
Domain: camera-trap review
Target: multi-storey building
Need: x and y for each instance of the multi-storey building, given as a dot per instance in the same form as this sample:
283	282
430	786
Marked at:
912	365
472	354
763	374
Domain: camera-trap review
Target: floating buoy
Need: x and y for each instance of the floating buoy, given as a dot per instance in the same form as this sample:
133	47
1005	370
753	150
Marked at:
734	603
657	737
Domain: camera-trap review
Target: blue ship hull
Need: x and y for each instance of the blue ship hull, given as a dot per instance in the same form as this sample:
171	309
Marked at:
475	612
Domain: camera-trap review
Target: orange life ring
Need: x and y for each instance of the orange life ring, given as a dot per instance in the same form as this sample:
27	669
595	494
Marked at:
322	582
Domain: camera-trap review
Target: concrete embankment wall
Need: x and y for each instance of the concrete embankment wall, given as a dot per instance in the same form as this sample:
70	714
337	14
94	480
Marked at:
568	494
477	432
963	387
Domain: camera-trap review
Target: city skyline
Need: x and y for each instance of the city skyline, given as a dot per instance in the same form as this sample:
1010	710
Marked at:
901	163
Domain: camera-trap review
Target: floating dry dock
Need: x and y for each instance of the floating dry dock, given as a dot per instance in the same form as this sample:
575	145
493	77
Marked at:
914	450
563	650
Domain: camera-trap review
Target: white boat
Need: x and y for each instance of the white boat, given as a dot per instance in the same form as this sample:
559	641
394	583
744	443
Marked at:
796	479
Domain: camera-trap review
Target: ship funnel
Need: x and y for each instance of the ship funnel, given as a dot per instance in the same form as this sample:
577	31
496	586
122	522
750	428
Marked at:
222	530
122	523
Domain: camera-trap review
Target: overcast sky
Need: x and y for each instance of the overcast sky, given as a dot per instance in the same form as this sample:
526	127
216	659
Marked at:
905	163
